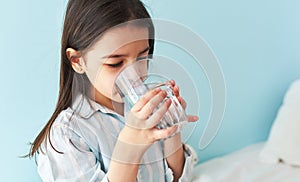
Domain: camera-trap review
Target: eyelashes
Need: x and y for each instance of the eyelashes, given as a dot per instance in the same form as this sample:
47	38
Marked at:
116	65
119	64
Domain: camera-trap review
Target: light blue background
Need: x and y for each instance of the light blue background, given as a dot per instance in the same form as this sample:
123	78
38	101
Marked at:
257	43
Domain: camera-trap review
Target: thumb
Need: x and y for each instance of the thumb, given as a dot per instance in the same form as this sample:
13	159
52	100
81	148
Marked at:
192	118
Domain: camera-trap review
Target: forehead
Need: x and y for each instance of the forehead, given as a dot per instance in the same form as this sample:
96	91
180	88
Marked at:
117	37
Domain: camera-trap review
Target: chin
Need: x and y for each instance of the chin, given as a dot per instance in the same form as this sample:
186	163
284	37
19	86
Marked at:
117	98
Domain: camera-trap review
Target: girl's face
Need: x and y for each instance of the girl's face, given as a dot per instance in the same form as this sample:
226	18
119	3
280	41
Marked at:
116	49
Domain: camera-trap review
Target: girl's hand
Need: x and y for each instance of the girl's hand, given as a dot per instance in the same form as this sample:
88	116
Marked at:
141	120
191	118
140	131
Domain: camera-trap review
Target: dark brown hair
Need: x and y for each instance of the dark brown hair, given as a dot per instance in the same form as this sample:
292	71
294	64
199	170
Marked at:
85	21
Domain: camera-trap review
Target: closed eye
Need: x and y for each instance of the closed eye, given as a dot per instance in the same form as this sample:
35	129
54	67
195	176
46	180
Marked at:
115	65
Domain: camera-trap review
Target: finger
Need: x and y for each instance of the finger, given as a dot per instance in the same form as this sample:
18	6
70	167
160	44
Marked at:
172	82
176	90
144	99
182	102
152	104
155	118
164	133
192	118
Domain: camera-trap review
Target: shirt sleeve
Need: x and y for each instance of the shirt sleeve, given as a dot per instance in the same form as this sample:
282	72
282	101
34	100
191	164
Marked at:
71	159
187	169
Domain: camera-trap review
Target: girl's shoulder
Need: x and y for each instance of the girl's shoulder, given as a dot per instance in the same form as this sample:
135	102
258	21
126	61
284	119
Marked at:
72	121
64	117
69	126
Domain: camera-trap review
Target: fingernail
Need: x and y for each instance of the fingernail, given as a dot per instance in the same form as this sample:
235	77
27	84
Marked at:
157	89
175	127
168	101
164	92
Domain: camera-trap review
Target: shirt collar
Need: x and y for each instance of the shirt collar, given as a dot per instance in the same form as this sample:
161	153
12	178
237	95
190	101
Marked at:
86	107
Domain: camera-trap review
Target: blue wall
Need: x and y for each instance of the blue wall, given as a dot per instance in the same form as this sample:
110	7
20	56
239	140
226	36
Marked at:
257	43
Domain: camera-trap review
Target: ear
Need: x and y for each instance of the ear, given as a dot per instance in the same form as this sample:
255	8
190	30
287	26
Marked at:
75	59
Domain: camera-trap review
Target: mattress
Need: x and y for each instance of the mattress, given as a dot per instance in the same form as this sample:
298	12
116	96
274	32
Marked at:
245	166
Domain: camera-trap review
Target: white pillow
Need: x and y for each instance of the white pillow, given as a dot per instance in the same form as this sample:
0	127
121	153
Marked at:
284	140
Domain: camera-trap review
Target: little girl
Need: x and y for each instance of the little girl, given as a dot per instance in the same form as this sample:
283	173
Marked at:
87	138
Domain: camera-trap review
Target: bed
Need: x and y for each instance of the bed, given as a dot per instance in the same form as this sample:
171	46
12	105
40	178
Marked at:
275	160
245	165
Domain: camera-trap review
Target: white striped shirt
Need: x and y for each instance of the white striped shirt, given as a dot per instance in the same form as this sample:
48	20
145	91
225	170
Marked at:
86	140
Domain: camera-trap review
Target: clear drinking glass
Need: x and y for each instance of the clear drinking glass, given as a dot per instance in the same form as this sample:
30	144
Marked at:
136	79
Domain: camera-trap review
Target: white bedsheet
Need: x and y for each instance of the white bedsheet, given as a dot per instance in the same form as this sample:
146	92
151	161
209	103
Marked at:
244	166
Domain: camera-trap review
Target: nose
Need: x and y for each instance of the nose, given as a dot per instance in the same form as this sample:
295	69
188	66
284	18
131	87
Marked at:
140	67
130	61
133	60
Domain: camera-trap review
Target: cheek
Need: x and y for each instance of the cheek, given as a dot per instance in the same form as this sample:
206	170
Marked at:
105	84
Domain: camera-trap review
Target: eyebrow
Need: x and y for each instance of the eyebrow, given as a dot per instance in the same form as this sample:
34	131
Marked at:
124	55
